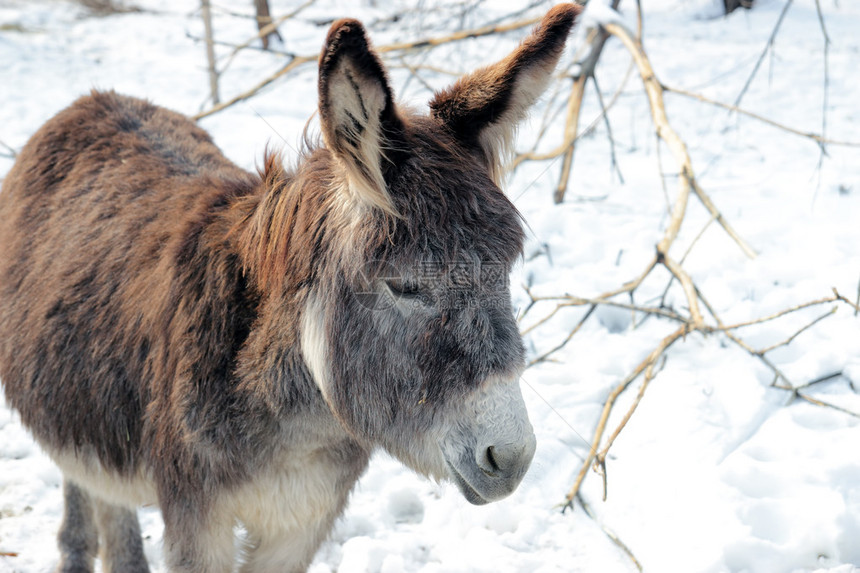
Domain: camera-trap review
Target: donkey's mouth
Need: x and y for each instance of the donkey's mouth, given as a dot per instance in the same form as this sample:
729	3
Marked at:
493	474
471	495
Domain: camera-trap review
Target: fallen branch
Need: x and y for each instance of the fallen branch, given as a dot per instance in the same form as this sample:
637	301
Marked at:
654	90
597	455
609	533
818	138
610	402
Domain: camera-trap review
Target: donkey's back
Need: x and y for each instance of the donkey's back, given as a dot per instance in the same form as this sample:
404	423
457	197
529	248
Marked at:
101	200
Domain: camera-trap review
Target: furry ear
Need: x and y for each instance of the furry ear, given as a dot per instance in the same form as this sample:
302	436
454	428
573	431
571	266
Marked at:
357	111
482	109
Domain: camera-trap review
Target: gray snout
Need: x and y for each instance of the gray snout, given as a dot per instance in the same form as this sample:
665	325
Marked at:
491	473
490	452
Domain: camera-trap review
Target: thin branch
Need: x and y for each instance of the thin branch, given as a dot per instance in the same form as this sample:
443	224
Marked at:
649	375
265	32
824	404
789	340
654	90
825	99
820	139
571	124
608	532
715	213
854	305
603	112
574	301
13	154
543	357
631	286
287	68
857	304
764	52
783	312
820	379
696	320
413	73
458	36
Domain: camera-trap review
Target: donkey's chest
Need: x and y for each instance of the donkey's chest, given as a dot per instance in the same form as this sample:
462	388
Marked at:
298	488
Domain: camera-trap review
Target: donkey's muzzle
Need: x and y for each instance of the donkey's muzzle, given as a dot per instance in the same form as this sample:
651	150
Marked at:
491	449
492	473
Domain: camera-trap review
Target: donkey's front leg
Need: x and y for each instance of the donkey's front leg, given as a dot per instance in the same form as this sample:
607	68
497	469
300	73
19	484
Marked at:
289	512
78	537
197	541
287	551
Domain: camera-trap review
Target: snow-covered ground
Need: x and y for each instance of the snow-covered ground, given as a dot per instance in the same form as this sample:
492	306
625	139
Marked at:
716	471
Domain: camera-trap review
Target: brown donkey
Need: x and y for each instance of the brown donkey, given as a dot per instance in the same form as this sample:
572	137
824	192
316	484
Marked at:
231	346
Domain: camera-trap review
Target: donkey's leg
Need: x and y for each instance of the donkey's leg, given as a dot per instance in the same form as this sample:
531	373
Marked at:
285	532
195	543
121	544
78	537
288	551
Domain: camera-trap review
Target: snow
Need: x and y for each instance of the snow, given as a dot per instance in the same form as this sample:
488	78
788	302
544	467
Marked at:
716	470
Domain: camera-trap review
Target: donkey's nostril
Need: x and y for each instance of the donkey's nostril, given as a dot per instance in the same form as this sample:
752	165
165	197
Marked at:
501	461
491	458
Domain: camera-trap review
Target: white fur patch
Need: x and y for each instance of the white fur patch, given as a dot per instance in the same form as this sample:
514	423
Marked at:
87	472
314	343
287	496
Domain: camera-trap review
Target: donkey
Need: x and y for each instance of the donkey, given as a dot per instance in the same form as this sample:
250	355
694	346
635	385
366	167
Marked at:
232	347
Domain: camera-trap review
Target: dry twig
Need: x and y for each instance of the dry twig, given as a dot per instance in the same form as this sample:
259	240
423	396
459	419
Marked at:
818	138
768	47
265	31
609	533
11	153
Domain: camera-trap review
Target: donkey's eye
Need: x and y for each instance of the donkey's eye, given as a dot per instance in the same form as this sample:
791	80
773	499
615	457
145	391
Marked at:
403	288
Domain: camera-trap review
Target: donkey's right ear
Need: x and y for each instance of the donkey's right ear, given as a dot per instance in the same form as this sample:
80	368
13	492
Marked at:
357	111
482	109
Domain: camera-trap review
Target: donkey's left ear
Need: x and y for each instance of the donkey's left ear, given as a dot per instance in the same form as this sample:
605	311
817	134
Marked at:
357	112
483	109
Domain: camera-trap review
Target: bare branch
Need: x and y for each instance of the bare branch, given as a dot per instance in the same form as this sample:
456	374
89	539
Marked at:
13	154
820	139
610	402
788	341
764	52
603	112
649	375
609	533
266	31
543	357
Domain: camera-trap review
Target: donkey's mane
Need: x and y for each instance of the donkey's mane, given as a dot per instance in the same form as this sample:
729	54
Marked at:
285	228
